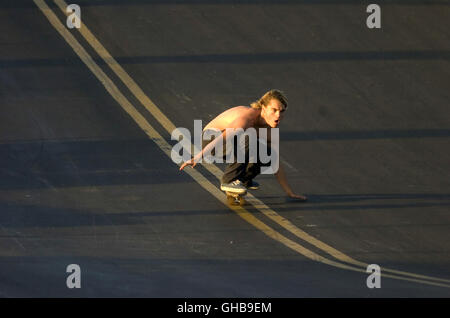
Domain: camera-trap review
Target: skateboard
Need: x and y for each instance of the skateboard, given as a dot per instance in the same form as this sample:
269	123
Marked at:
234	198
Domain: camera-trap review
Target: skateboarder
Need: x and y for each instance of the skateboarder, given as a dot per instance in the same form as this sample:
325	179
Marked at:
267	112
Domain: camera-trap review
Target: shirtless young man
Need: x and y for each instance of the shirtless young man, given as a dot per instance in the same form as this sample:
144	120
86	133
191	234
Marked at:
267	112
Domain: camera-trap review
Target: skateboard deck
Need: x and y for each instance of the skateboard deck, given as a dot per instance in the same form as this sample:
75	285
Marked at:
234	198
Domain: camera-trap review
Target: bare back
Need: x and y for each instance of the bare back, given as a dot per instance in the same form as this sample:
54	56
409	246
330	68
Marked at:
236	117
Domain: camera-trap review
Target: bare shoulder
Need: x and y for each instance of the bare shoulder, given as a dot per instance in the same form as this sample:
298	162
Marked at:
242	110
245	115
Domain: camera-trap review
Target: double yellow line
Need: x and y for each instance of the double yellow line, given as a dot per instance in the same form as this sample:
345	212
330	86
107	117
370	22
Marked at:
341	260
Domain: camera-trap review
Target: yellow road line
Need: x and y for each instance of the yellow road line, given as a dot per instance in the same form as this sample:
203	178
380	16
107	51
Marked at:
169	126
120	72
323	246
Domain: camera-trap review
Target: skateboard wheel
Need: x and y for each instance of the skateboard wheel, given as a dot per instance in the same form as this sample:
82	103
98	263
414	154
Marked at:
235	198
231	200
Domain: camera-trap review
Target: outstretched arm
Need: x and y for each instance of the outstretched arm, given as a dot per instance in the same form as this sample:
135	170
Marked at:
193	162
281	177
238	123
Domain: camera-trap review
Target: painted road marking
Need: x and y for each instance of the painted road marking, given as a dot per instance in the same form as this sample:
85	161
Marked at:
166	148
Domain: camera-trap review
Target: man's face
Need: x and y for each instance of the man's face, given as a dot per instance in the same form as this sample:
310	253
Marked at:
273	112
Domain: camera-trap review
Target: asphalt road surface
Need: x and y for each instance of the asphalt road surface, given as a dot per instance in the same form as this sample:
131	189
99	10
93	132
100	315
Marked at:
85	122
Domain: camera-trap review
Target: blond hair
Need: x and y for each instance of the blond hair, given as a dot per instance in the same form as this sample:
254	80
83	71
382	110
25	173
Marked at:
267	97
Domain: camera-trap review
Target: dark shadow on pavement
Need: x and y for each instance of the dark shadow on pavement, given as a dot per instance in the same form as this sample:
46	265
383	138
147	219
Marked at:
98	3
363	135
241	58
68	163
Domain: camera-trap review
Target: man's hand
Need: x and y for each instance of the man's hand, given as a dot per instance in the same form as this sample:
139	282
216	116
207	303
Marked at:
281	177
188	163
298	197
